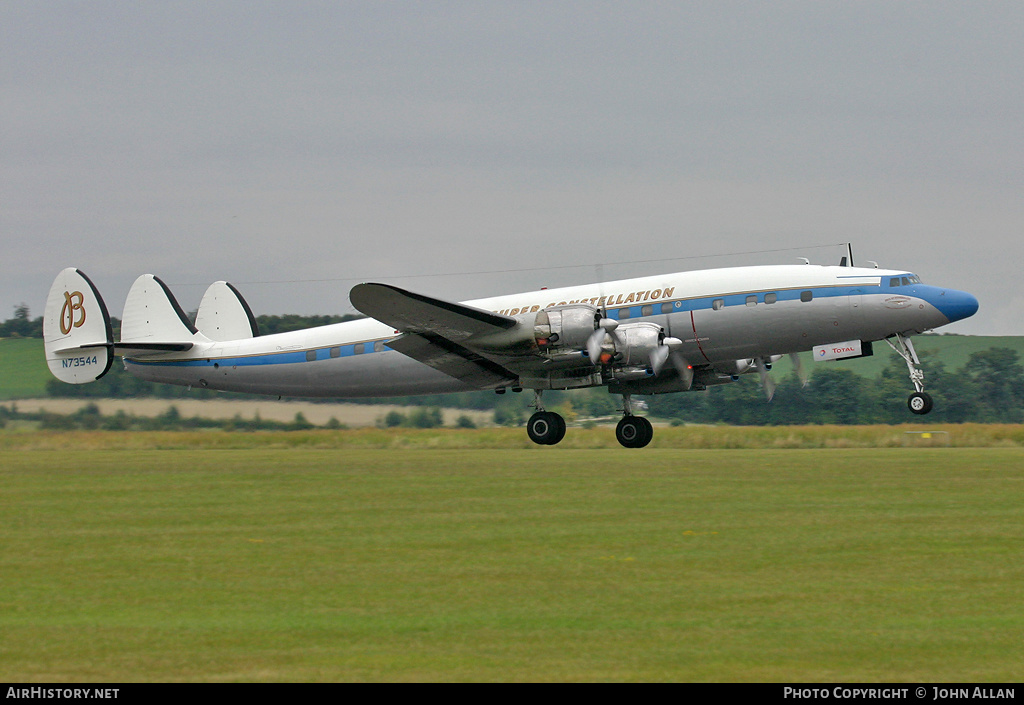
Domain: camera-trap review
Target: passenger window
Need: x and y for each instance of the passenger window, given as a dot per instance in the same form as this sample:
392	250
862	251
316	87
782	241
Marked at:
624	314
718	304
666	308
771	298
752	300
806	296
335	352
310	355
378	346
357	349
647	310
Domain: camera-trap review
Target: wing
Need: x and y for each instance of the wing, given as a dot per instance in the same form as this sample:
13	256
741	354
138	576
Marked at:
409	312
445	335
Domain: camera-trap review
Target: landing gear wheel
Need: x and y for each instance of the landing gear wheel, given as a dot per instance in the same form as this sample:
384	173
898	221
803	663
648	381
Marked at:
919	403
546	428
634	432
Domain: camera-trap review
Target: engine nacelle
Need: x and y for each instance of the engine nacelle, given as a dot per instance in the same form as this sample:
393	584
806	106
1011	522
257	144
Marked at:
565	326
633	343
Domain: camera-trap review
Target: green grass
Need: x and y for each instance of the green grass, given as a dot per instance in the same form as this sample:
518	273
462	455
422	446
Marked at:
263	563
23	372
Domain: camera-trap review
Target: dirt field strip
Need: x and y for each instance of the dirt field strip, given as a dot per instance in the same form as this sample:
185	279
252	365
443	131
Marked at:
353	415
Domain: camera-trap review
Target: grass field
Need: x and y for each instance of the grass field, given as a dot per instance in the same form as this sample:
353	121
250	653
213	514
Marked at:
267	563
23	371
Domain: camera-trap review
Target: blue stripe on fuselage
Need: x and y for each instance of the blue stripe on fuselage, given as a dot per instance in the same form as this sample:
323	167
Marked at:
738	299
291	357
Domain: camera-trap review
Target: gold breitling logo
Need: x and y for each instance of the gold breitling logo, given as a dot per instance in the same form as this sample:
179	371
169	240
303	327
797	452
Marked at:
73	304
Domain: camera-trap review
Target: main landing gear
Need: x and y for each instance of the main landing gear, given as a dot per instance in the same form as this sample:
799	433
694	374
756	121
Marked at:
544	428
547	428
632	431
920	402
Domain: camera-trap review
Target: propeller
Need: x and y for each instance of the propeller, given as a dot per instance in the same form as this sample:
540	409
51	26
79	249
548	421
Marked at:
684	368
605	326
666	349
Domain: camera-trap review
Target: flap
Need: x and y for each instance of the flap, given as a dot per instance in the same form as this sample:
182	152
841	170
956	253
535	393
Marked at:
453	359
414	313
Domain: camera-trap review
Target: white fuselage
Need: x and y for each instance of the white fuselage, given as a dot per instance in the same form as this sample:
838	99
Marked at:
719	315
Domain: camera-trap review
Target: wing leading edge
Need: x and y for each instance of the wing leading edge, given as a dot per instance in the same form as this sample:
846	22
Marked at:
435	332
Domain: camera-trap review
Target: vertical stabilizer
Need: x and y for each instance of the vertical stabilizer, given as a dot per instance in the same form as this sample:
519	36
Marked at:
152	314
76	330
224	314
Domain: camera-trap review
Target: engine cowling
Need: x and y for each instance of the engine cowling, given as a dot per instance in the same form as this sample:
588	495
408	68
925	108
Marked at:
632	344
565	326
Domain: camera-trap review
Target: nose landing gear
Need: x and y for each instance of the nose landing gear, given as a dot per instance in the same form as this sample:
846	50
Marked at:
920	402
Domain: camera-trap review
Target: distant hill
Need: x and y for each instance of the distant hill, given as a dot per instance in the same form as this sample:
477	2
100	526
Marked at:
23	372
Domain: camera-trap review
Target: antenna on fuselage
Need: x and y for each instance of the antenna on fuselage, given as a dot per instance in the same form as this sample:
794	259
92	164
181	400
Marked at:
848	260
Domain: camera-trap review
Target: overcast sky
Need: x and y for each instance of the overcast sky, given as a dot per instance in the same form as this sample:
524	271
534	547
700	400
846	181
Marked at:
466	149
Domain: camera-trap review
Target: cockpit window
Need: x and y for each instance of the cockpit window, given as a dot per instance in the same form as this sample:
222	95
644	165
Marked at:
905	281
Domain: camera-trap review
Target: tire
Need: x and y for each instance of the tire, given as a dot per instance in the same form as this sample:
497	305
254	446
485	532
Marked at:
559	432
919	403
545	428
648	433
634	432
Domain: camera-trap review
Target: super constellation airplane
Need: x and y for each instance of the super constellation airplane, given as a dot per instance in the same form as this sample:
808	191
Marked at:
652	335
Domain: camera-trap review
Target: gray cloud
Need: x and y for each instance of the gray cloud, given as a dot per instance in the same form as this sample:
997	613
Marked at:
268	142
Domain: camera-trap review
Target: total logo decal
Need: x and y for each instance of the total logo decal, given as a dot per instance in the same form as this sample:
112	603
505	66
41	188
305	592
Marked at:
837	351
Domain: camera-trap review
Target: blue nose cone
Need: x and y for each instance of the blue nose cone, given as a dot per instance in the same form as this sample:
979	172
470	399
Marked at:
955	305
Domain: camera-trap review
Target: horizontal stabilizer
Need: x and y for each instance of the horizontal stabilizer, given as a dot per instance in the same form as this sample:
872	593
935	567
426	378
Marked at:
139	349
224	314
152	315
77	336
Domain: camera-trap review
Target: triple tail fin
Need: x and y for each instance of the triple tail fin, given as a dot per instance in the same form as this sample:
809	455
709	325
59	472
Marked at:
225	315
77	337
153	321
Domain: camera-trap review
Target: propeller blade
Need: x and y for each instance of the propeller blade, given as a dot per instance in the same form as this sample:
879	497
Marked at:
658	357
594	343
610	325
684	369
798	365
766	380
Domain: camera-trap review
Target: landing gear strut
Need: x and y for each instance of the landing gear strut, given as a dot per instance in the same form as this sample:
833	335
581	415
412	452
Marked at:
920	402
632	431
544	428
